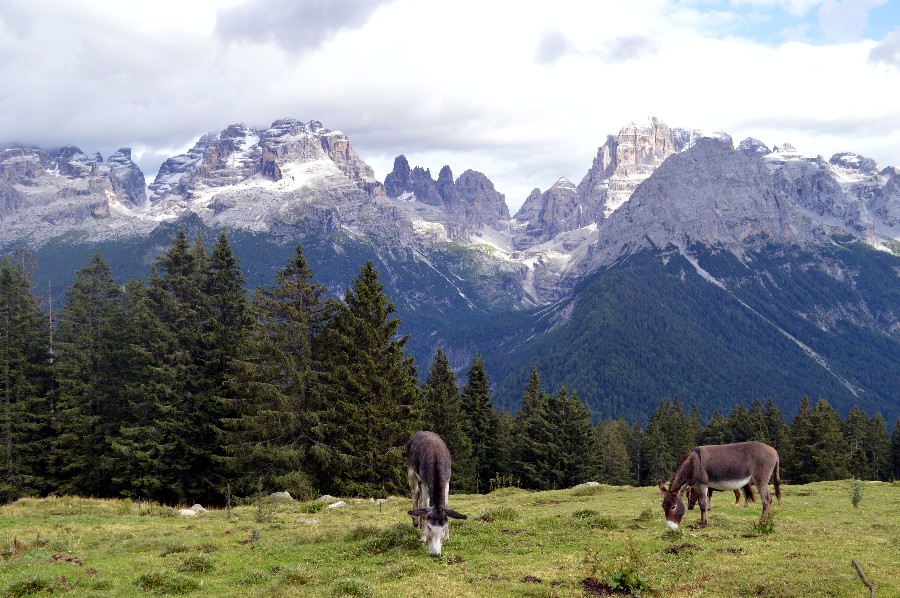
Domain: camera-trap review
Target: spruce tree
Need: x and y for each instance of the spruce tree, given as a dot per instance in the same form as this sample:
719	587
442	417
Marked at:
442	414
24	383
614	461
856	428
895	451
372	396
273	435
829	452
144	449
580	449
482	425
879	448
532	438
803	467
88	373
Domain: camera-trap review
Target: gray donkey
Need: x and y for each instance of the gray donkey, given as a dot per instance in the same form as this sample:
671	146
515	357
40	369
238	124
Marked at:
428	466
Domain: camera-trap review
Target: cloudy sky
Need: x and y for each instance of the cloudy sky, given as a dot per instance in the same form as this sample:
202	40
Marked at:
523	91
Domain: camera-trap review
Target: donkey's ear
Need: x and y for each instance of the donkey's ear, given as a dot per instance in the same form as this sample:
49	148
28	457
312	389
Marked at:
418	512
661	487
456	515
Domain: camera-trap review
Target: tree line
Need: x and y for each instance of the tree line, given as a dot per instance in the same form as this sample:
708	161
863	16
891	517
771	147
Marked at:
186	388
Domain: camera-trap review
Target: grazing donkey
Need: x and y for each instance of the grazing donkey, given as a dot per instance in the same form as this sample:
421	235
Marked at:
721	467
428	467
693	497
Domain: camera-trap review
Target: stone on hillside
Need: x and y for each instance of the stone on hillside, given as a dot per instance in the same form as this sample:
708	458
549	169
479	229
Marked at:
187	512
307	521
327	498
283	496
338	505
586	485
198	508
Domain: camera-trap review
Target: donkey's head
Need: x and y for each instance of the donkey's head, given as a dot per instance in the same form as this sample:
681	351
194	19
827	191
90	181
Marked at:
673	506
436	526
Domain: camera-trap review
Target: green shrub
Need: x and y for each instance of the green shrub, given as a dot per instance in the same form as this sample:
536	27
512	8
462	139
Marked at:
646	515
312	507
254	577
856	493
765	525
624	574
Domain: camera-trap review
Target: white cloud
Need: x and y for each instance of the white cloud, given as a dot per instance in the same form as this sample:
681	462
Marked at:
522	91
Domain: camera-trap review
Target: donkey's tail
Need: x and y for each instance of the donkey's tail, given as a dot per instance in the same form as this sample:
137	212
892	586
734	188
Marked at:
778	479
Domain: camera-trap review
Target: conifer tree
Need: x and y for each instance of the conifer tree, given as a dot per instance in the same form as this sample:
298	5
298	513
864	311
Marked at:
614	460
716	431
443	415
802	469
856	428
88	373
482	425
895	451
144	448
272	438
879	448
24	382
580	451
533	438
373	403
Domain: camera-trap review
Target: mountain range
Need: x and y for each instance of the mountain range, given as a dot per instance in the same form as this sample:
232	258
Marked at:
681	263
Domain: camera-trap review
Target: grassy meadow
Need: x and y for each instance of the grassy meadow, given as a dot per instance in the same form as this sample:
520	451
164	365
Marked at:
515	543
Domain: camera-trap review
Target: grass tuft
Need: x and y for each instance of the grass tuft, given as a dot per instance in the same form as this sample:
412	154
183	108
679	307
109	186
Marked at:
646	515
196	563
30	587
498	514
352	587
297	576
588	491
160	582
399	535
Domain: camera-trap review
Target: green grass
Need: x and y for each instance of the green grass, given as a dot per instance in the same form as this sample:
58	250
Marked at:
515	543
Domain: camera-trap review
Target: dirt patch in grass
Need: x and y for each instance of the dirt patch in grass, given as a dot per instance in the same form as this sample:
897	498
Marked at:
595	587
61	558
732	550
635	526
681	547
531	579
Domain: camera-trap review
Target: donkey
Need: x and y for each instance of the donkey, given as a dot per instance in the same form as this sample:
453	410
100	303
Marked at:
693	497
428	467
721	467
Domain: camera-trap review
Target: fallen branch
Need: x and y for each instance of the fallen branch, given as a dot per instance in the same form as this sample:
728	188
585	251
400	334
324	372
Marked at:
864	578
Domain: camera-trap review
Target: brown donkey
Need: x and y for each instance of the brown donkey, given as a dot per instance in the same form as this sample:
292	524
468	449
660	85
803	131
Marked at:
428	467
721	467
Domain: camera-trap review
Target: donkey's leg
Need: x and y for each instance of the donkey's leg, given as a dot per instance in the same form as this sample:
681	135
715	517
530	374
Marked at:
447	504
425	503
703	493
414	491
762	486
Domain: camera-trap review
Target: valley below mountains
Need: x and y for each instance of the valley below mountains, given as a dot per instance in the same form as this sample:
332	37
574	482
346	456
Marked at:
682	264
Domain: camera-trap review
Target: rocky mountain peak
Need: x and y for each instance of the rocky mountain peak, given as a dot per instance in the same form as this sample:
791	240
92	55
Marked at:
751	147
710	194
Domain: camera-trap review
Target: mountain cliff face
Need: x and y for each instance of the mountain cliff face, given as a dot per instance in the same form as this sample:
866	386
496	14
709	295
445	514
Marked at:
46	193
803	251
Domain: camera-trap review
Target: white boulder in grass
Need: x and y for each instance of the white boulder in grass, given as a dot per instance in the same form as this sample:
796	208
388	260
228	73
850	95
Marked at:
337	505
327	498
198	508
586	485
283	496
187	512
